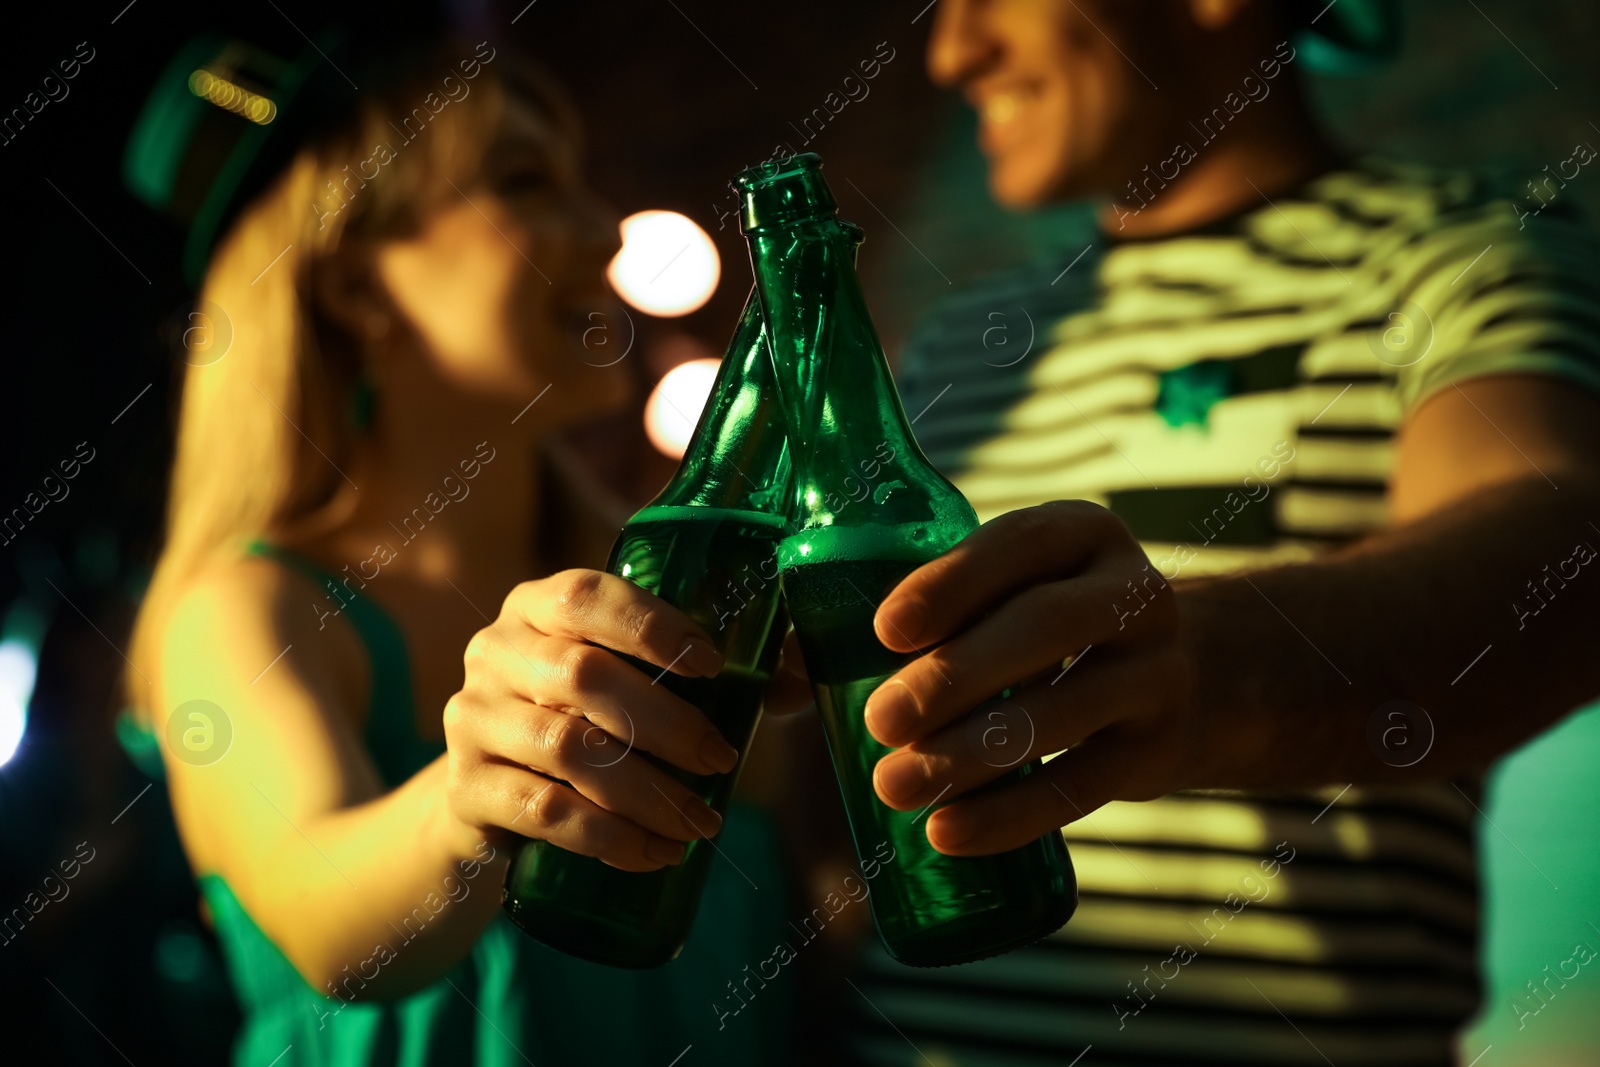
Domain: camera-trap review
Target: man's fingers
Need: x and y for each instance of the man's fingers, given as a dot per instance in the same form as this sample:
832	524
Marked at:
1022	638
1068	788
606	610
1002	734
1015	550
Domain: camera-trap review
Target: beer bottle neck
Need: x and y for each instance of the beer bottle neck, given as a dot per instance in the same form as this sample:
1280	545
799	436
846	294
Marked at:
738	456
856	461
833	377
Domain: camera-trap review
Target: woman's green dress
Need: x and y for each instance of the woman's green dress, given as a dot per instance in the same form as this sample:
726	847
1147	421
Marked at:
512	1000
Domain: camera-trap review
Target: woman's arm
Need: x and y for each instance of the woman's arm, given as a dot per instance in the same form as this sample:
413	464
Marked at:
374	893
293	815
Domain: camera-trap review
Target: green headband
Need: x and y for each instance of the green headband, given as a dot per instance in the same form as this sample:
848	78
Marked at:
221	122
1346	36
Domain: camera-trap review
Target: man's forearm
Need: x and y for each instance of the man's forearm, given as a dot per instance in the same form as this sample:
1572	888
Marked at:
1482	615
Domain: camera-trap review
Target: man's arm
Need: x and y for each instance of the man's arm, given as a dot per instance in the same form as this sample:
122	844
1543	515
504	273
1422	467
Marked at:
1478	605
1271	678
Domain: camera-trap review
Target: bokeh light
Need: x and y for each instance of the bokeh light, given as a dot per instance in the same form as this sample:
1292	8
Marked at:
675	404
19	666
668	265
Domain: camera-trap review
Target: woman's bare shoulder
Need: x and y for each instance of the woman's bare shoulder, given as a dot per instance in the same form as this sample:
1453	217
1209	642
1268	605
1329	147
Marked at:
258	692
236	617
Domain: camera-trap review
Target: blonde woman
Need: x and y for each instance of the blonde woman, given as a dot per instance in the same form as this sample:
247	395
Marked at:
373	632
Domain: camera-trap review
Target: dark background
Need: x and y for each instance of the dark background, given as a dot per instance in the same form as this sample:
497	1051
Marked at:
677	95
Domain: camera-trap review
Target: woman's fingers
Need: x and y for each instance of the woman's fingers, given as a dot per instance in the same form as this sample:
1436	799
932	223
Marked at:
564	746
549	734
1000	735
603	609
574	677
516	799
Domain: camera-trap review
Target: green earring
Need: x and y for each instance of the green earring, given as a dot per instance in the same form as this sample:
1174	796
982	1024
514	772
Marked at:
363	397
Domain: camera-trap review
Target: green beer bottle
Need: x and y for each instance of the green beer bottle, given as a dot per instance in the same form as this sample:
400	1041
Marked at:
706	545
866	509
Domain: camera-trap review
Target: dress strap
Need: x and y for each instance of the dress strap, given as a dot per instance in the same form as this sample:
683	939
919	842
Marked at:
391	732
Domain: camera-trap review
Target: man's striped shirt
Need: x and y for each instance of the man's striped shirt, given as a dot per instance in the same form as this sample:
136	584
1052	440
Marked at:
1233	394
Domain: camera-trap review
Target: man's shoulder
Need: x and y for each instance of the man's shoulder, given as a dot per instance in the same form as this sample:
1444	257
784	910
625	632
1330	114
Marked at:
1421	202
1381	188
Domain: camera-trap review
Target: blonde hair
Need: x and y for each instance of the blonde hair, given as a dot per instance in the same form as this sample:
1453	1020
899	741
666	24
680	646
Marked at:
263	428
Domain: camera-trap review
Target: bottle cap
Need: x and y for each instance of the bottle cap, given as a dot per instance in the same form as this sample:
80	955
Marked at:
783	190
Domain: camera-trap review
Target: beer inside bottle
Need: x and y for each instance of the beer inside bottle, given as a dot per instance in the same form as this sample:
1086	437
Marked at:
706	545
866	509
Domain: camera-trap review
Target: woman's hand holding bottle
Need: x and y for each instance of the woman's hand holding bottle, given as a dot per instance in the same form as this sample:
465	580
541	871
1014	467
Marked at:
547	733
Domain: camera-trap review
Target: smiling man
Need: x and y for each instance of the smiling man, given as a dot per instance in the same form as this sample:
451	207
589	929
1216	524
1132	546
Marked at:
1271	506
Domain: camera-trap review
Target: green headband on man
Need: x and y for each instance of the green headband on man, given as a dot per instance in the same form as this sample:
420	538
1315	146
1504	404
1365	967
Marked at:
1346	36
